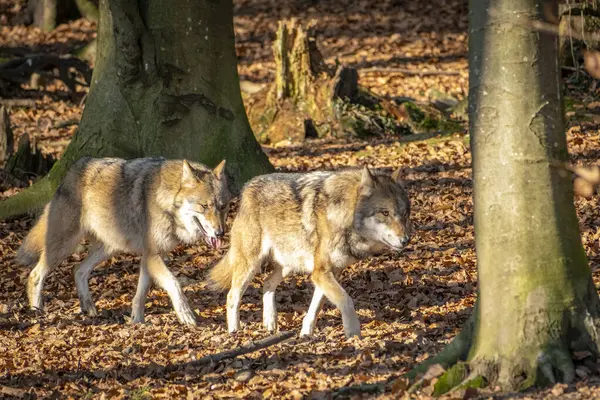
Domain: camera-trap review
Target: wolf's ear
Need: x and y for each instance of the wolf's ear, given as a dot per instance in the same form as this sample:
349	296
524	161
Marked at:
367	180
188	179
397	177
219	171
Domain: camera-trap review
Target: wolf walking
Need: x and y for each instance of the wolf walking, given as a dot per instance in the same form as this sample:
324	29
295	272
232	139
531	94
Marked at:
144	206
314	223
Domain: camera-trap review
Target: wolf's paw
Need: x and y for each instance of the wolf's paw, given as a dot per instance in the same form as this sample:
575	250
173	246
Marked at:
188	318
88	308
351	334
270	325
137	318
352	329
36	303
306	331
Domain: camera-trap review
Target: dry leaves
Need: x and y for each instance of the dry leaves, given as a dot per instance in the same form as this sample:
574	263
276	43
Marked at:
410	304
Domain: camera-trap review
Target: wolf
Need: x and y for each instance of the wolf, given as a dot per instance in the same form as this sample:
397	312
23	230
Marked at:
315	223
144	206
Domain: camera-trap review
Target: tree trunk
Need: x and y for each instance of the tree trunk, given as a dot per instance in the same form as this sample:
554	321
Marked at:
44	14
165	84
47	14
536	303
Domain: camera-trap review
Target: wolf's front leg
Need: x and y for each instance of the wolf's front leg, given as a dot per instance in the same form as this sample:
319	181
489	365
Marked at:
167	281
82	273
269	306
310	320
326	282
239	283
139	301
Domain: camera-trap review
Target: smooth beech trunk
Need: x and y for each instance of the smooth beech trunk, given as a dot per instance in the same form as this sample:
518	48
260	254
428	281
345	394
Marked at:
536	302
165	84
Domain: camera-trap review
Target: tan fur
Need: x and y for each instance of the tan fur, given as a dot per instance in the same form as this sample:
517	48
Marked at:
220	275
145	206
314	223
32	246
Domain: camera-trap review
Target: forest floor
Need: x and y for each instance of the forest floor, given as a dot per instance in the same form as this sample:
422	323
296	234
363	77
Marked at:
410	304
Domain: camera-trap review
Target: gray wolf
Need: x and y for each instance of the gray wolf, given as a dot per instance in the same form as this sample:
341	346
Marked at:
315	223
144	206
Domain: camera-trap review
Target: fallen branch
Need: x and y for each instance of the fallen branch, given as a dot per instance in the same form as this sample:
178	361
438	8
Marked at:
64	124
372	388
17	102
225	355
19	70
406	71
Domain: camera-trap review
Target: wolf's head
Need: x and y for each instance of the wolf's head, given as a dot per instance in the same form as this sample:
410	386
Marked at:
382	212
203	202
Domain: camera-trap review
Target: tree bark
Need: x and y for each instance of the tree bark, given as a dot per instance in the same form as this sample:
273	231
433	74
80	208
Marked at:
165	84
536	302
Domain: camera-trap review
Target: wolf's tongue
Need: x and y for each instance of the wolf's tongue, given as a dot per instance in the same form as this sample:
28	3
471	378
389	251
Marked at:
214	242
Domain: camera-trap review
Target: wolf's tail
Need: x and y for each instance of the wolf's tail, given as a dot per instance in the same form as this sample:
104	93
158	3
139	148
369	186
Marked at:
30	250
219	277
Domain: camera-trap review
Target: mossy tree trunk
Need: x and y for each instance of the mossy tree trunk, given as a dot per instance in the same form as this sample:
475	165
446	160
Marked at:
165	84
536	302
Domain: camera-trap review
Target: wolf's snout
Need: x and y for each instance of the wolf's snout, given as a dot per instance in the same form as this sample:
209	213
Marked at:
404	240
219	233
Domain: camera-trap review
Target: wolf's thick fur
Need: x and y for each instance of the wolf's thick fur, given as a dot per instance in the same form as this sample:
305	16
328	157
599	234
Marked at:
315	223
144	206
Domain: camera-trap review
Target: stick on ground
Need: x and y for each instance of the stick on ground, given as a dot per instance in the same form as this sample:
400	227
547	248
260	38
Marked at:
239	351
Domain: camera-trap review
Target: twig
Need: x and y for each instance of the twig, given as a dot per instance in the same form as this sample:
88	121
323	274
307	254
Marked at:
406	71
363	388
64	124
249	348
17	102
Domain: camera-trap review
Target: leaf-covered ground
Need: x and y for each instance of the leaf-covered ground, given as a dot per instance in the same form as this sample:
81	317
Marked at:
410	304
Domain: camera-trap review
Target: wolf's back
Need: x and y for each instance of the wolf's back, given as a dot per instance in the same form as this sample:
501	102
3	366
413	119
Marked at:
32	246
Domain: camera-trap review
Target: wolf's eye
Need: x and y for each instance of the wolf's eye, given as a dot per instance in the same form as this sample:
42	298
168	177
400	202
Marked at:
205	206
385	213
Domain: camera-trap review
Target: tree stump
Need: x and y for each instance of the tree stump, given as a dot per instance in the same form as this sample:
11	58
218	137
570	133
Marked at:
28	161
578	27
308	98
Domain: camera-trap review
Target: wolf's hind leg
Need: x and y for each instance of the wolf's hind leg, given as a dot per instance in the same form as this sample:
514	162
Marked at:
326	282
82	273
62	235
269	306
310	320
35	283
167	281
242	276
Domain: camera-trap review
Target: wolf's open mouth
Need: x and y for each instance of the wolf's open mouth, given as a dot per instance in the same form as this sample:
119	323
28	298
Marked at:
199	225
212	241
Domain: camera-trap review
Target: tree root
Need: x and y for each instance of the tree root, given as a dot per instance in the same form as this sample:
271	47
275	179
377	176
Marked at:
454	352
469	367
30	200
